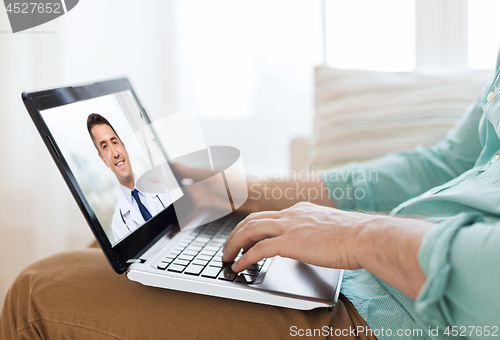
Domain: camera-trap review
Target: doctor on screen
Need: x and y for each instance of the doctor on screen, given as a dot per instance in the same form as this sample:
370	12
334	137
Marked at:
134	207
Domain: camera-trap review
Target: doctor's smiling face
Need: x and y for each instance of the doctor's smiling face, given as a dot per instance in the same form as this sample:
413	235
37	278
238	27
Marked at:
111	149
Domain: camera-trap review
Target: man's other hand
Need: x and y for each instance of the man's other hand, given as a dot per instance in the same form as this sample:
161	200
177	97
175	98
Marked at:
307	232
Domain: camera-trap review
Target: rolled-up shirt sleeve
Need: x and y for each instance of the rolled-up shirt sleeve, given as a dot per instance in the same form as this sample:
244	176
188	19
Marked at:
383	184
460	257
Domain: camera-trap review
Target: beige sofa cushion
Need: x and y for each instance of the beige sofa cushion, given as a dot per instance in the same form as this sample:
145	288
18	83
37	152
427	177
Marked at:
361	114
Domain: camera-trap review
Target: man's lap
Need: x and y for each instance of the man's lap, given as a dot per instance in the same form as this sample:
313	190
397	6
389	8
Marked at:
77	295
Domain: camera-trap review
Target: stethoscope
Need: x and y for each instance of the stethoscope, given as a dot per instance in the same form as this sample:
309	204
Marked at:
123	219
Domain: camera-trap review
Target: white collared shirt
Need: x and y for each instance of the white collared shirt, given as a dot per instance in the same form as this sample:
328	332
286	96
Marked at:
127	193
127	216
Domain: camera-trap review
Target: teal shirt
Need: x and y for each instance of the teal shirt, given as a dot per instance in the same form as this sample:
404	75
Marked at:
455	183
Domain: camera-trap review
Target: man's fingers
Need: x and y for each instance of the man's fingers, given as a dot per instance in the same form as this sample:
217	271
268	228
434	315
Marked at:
253	231
197	174
263	249
249	245
253	216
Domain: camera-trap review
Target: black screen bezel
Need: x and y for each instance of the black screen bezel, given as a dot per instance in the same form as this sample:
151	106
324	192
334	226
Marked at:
141	239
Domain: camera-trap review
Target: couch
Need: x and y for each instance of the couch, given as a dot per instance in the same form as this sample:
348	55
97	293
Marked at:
361	115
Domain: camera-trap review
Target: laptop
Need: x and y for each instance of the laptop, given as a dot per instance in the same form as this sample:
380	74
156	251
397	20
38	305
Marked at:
93	134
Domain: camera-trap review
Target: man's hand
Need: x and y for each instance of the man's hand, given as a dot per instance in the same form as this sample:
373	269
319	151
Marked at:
204	194
307	232
291	191
384	245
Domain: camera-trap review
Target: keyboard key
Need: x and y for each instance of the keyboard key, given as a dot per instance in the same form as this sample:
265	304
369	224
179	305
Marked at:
208	233
202	239
198	243
242	278
207	252
194	248
181	262
183	256
227	274
211	272
250	272
190	252
254	266
216	264
193	269
203	257
200	262
176	268
162	266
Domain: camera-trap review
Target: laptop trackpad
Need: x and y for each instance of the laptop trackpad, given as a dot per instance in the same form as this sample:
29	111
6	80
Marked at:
300	279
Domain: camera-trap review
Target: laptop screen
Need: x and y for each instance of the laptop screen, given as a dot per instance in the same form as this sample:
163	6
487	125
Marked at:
101	140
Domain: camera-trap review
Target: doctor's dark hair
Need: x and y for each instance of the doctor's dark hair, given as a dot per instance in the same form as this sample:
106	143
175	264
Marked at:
96	119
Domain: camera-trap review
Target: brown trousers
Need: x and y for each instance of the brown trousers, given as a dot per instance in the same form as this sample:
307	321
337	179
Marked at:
76	295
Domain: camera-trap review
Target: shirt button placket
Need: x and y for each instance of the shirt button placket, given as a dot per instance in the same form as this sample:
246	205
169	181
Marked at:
490	96
494	159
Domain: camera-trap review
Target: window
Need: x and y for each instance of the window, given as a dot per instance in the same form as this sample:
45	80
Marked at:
484	39
367	34
239	59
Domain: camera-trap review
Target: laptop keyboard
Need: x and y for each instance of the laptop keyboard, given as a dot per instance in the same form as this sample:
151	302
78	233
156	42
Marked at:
200	254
